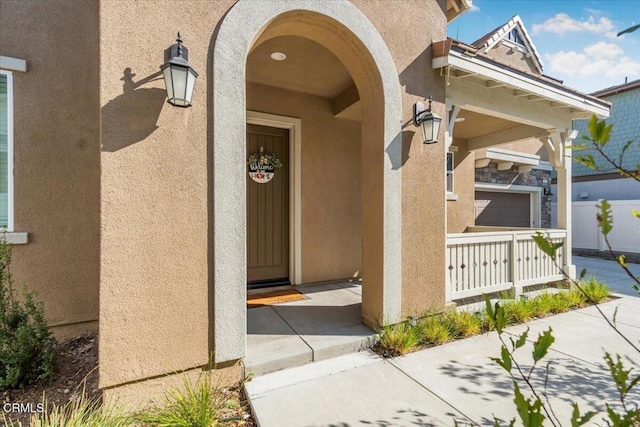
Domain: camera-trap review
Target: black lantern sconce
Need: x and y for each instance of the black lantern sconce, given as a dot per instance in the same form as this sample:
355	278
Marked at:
179	75
428	122
547	192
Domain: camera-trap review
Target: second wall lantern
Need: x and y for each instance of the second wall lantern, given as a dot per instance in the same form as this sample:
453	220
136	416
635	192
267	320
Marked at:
179	75
428	122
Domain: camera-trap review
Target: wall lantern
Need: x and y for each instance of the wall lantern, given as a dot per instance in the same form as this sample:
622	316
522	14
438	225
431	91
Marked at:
428	121
179	75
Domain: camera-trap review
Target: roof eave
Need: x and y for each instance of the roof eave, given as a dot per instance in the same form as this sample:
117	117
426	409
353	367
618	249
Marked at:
455	8
469	62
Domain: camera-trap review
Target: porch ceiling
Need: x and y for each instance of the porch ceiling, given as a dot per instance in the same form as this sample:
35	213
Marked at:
309	68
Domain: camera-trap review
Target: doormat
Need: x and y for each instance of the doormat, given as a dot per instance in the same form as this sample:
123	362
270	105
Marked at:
271	298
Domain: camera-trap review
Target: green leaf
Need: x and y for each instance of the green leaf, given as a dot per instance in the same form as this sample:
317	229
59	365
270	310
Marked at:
583	273
635	213
622	260
625	147
489	308
505	360
629	30
578	147
522	339
500	319
599	131
577	420
604	217
530	413
586	160
541	346
546	245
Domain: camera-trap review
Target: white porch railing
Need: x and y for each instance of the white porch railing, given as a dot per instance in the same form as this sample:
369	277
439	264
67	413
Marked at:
494	259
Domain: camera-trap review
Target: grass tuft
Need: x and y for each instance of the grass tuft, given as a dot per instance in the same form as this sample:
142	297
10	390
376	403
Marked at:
193	406
399	338
597	291
433	330
462	323
82	412
519	311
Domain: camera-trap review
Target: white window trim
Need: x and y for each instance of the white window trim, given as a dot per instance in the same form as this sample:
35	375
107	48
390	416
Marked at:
535	205
451	195
10	235
13	64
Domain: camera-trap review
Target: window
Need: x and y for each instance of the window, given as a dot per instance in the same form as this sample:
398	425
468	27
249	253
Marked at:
450	172
514	36
6	150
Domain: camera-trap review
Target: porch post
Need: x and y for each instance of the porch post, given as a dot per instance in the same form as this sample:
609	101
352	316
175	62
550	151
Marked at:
563	169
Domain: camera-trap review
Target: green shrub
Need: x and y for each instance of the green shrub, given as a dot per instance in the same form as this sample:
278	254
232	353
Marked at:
432	330
194	406
399	338
26	344
597	291
462	323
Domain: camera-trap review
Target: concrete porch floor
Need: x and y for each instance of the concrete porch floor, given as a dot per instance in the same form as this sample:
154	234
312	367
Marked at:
326	324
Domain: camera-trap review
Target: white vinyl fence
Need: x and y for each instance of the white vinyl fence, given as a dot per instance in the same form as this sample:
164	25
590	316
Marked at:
625	236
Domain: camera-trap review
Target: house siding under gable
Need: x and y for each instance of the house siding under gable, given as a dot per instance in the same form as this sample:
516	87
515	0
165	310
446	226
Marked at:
626	126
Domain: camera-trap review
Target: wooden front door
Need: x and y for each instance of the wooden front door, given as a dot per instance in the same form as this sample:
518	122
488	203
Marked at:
268	211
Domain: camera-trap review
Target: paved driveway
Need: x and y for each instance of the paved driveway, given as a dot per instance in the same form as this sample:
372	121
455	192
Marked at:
609	272
456	381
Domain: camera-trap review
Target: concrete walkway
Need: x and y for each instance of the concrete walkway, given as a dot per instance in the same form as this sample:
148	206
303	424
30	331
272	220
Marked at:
609	272
456	381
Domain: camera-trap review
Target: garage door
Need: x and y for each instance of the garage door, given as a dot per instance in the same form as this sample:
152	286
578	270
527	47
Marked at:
503	209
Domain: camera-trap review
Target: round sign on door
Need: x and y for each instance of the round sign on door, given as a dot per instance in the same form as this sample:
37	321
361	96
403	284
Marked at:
262	166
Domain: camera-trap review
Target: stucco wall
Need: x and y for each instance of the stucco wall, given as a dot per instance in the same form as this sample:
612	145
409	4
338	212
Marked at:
517	59
57	155
156	193
460	213
331	193
423	204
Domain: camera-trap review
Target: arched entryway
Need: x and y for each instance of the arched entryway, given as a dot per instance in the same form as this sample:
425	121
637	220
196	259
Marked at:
342	29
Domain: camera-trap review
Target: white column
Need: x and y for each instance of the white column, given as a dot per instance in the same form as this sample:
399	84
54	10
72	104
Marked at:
563	169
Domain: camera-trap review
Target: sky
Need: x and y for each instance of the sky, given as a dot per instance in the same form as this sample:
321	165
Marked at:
575	38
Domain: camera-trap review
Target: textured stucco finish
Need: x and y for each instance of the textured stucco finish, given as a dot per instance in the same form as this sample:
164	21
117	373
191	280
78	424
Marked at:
57	155
422	166
154	290
461	212
133	397
331	219
516	59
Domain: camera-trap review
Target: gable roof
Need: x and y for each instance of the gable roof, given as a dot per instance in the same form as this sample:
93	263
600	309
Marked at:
491	39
